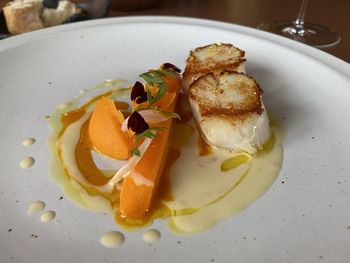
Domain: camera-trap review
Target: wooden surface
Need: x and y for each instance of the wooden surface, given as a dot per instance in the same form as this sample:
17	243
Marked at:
334	14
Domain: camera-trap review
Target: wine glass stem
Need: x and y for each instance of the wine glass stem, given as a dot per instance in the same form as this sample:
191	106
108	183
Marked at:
299	22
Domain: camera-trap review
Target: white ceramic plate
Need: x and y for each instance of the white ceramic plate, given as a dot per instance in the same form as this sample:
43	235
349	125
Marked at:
305	215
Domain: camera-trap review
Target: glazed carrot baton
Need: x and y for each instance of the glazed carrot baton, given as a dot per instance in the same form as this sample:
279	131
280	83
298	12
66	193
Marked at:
139	187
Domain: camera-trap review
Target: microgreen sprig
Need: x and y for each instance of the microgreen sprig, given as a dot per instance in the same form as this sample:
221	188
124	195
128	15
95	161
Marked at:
155	78
149	133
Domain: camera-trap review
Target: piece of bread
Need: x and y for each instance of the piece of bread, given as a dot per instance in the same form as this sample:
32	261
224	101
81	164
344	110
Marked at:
230	112
53	17
213	58
27	15
23	16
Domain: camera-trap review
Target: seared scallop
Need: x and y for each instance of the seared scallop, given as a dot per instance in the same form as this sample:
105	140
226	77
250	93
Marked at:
230	112
213	58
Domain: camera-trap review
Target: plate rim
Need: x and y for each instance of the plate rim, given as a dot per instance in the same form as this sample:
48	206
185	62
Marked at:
341	66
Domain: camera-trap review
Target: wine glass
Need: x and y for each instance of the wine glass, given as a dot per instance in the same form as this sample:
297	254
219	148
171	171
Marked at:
311	34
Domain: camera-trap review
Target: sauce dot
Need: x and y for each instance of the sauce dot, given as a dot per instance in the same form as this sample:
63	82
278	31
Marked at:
48	216
35	207
112	239
151	235
28	142
64	105
27	162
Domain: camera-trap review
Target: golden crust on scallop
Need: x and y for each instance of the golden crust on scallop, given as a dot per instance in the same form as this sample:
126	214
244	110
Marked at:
212	58
226	95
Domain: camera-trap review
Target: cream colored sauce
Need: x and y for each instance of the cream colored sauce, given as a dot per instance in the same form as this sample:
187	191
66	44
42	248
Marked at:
48	216
197	212
35	207
28	142
27	162
67	143
112	239
151	236
192	173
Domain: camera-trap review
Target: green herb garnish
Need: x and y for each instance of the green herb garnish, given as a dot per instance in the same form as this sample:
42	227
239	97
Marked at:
155	78
149	133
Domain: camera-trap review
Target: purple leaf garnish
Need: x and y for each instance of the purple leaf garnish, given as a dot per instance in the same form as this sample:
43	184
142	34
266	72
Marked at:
138	93
137	123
